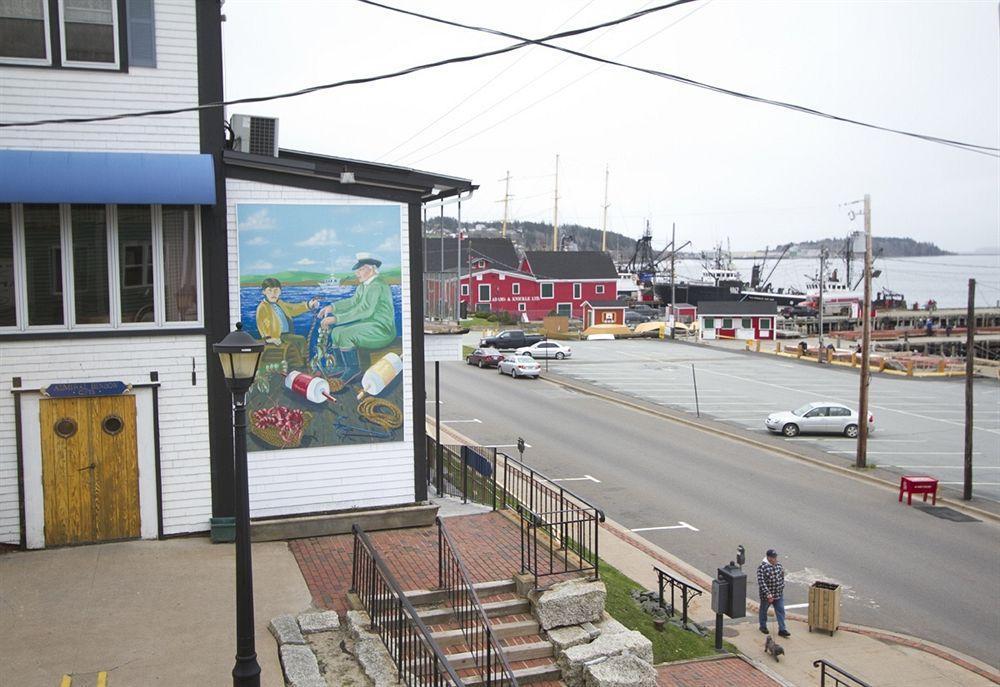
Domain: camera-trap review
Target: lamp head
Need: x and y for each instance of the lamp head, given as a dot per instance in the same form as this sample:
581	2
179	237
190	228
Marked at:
239	354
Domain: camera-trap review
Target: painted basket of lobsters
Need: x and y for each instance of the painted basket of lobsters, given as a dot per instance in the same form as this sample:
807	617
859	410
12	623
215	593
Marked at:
280	426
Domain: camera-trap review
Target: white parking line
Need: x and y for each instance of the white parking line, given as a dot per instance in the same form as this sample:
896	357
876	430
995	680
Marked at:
475	419
975	484
787	606
945	467
911	453
681	525
578	479
505	446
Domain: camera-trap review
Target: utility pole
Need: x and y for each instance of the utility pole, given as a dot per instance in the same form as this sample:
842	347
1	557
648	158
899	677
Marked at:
673	279
555	220
506	200
822	285
866	335
970	356
604	225
458	268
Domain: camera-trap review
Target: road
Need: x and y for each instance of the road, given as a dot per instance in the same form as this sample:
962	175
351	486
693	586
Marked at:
901	568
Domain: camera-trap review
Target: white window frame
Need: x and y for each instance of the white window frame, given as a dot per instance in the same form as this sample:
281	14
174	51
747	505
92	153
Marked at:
115	28
45	61
568	305
725	320
465	289
522	307
114	286
541	289
515	289
599	289
577	291
479	293
764	324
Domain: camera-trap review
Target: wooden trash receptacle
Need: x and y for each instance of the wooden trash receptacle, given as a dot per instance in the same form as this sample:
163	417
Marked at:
824	606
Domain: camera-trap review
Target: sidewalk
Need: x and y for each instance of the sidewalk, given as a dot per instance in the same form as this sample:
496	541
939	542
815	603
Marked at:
879	658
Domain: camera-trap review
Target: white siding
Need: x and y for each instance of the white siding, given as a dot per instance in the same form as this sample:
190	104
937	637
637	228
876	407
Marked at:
332	478
29	93
184	455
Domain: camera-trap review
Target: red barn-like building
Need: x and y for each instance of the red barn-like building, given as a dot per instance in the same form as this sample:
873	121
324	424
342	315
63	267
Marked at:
544	282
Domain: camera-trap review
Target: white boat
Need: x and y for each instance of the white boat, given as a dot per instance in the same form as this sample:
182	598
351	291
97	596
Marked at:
330	281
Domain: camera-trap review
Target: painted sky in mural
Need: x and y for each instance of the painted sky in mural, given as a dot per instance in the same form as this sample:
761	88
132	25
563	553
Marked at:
320	284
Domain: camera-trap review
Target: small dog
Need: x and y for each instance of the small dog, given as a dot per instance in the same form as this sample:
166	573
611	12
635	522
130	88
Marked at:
773	648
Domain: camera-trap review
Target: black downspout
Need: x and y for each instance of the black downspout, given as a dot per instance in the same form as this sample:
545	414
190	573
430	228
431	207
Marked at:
215	267
419	414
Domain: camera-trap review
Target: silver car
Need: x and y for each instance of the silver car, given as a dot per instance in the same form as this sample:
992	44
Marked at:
519	366
818	417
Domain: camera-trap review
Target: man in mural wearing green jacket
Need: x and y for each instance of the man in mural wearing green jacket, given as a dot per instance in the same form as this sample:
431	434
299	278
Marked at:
365	320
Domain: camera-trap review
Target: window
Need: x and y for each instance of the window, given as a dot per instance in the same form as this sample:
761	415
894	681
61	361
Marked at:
818	412
521	307
465	289
515	289
24	34
565	309
577	290
599	289
547	290
484	292
709	323
99	266
7	311
746	323
836	411
727	323
764	323
89	34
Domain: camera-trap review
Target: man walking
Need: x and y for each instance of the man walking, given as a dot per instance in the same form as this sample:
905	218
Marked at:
771	584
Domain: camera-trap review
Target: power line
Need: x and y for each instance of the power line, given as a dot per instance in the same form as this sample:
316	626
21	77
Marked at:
485	83
346	82
971	147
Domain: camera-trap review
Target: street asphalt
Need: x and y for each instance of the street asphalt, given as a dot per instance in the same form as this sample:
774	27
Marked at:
699	495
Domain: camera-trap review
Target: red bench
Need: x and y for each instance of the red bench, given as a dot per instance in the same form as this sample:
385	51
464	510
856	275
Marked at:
918	484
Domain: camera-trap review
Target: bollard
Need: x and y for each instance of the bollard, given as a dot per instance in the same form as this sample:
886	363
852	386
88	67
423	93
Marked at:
941	365
777	347
909	368
881	365
756	345
854	359
829	355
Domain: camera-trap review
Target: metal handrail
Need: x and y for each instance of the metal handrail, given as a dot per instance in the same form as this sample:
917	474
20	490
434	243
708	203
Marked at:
823	665
542	479
685	590
419	660
454	580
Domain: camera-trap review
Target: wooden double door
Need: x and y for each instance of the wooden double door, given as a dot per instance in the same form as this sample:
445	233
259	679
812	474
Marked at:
90	471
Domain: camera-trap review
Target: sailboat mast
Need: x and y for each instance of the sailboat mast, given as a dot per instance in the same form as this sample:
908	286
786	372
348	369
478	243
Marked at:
604	224
555	219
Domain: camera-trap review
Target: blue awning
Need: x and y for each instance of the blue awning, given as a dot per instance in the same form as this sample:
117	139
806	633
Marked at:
36	176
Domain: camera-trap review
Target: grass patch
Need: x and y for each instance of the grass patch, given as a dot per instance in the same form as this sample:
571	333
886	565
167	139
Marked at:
673	644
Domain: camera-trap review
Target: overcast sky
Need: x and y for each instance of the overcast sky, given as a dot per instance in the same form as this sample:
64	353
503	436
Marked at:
720	167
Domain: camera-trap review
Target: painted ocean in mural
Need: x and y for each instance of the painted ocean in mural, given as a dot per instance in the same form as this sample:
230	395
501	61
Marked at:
320	284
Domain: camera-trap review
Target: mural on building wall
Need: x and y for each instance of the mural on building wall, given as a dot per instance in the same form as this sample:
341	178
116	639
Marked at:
321	285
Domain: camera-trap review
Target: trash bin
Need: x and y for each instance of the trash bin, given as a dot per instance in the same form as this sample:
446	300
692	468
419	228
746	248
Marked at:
824	606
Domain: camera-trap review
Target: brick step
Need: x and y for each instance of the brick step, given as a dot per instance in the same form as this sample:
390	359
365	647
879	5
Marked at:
492	609
547	672
508	630
517	652
427	597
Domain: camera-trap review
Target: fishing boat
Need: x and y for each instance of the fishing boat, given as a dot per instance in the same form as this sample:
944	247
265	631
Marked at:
330	282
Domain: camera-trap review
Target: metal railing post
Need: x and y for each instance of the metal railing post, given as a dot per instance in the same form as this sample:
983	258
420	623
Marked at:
465	474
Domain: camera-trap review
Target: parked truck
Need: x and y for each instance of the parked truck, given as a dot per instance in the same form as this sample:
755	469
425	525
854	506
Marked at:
509	339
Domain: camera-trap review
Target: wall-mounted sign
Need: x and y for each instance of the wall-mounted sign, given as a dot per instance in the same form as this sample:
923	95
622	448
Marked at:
80	389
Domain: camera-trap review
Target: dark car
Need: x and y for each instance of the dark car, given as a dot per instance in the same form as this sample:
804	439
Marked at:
799	311
648	311
484	357
633	317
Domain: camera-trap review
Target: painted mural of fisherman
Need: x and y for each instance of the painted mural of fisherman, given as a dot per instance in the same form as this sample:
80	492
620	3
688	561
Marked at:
365	320
275	317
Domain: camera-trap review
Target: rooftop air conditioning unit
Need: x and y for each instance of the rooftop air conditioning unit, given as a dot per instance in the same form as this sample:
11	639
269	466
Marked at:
255	135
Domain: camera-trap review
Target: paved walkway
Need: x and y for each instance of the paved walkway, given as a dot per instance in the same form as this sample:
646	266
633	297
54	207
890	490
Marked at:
726	671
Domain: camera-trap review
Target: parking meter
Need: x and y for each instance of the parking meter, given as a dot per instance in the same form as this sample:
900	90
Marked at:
520	448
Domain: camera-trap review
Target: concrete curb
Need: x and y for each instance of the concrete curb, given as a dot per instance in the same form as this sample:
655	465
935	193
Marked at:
788	453
956	657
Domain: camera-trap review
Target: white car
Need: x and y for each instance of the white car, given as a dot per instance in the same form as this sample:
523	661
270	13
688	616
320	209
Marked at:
819	417
546	349
519	366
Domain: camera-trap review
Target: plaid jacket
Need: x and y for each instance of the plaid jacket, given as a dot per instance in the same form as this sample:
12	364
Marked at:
770	580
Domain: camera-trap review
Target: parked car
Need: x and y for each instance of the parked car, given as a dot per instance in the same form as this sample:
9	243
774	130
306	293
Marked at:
633	317
510	339
546	349
818	417
644	309
799	310
484	357
519	366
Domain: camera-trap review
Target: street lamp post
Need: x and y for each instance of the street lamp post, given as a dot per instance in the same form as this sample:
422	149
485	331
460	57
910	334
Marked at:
239	354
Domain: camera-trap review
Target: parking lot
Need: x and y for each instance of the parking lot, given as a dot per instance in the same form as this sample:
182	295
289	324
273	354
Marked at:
919	423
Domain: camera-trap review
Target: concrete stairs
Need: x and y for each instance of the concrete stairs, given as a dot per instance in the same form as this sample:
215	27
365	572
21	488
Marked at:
528	653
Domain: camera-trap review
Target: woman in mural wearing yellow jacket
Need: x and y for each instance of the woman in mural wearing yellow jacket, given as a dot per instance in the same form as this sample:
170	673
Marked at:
366	320
274	316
